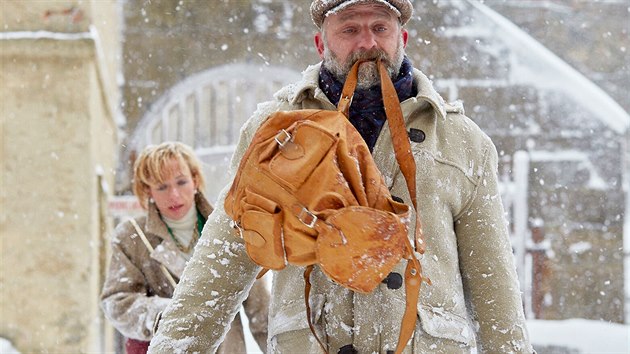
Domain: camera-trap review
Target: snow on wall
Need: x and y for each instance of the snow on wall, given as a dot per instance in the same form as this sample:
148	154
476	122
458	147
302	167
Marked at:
536	65
93	35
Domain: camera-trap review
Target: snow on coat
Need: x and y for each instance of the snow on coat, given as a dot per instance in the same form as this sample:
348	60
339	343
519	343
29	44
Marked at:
473	304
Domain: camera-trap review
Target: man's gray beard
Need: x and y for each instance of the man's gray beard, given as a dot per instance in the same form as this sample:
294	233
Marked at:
368	72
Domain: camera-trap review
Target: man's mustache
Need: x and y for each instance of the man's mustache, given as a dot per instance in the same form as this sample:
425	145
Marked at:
371	54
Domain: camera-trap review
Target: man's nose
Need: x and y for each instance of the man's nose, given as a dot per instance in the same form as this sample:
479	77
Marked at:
367	40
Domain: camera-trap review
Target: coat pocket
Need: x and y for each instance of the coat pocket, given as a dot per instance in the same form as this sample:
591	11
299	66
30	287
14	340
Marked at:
440	323
292	316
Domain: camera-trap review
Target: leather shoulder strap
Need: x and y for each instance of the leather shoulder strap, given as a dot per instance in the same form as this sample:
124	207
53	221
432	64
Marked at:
404	156
307	293
402	147
168	275
348	89
400	138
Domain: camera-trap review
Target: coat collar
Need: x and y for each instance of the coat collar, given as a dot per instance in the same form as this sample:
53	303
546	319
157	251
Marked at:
308	87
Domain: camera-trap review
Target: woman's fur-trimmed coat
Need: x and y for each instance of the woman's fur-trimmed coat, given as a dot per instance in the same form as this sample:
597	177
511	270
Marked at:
136	290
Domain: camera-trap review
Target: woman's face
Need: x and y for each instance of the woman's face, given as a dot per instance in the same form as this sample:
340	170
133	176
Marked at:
176	195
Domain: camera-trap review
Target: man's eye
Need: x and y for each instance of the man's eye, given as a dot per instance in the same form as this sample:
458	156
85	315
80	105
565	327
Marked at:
380	29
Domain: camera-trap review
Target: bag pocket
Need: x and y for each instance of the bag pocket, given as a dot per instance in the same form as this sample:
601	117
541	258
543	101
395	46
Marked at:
261	228
358	246
306	146
299	239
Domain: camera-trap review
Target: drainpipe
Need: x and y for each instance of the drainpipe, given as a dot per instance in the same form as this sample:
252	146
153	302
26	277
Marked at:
521	231
626	253
625	146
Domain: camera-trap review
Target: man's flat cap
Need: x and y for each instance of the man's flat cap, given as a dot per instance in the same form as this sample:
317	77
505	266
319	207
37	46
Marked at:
322	8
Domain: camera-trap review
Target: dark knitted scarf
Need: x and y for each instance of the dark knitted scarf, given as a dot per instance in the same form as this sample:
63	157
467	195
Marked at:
367	113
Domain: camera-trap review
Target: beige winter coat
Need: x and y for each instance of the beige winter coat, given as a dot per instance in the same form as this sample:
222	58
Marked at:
474	302
136	289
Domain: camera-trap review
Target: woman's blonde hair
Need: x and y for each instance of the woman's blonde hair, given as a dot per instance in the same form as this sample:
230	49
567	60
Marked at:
149	167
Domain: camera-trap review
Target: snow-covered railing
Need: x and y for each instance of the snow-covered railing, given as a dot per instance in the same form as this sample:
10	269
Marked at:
208	109
514	191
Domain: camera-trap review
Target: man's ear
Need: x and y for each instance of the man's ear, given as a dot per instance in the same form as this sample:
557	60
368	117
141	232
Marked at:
405	37
319	44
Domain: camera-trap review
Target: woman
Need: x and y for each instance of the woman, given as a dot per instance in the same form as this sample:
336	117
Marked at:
149	253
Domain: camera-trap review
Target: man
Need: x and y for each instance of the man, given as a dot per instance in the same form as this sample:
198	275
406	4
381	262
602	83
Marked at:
473	303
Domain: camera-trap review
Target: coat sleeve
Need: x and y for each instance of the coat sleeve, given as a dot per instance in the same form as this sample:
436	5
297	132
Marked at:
487	266
124	297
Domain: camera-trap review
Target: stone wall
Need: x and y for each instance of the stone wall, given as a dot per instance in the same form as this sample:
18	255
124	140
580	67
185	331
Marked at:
59	139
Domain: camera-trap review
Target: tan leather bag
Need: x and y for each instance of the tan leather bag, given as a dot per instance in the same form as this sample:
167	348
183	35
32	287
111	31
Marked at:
308	192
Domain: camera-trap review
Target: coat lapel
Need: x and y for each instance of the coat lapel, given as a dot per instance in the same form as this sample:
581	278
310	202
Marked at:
166	252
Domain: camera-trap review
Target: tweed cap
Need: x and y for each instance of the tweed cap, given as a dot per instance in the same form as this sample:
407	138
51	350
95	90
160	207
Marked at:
322	8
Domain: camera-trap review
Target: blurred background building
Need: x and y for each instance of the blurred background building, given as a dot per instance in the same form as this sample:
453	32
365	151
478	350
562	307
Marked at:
87	84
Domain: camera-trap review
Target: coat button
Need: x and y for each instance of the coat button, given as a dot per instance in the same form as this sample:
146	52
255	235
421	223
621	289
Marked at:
416	135
347	349
393	280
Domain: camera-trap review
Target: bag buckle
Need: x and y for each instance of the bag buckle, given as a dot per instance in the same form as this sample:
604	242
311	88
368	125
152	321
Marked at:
282	137
307	218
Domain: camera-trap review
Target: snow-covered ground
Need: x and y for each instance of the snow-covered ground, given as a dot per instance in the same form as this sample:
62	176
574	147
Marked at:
6	347
581	336
574	335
